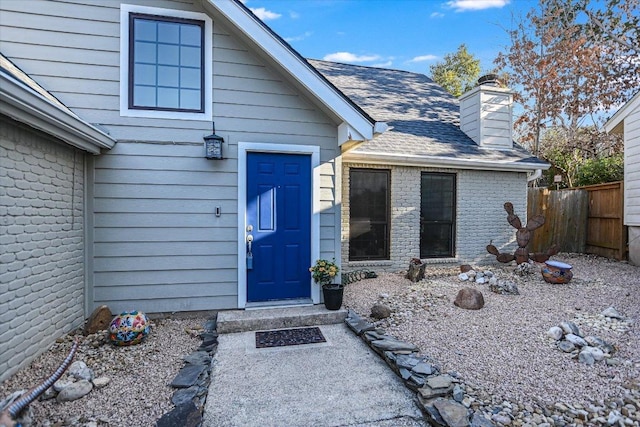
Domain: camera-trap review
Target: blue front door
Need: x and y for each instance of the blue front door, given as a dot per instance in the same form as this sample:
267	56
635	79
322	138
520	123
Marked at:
279	216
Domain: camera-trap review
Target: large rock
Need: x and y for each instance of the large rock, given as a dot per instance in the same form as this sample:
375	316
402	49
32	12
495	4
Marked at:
416	270
81	371
469	299
380	311
575	340
555	332
186	414
612	313
75	391
99	320
453	413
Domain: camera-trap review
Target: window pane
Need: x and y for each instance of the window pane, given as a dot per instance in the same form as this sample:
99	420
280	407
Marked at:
144	30
169	32
437	215
190	56
369	214
190	78
145	52
167	63
144	96
144	74
190	34
168	54
168	98
190	99
168	76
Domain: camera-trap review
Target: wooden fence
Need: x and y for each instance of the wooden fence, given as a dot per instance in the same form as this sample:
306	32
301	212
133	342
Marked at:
585	220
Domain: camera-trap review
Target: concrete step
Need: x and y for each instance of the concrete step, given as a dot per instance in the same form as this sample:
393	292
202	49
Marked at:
277	318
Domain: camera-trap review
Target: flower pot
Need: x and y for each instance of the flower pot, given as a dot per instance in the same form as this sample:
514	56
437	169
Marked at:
556	272
332	296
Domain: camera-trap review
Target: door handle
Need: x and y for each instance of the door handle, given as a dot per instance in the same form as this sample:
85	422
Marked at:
249	253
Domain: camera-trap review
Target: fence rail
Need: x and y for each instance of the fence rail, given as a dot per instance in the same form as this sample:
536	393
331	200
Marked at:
585	219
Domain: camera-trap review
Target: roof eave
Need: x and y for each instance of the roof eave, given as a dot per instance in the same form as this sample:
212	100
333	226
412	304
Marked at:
616	123
298	68
442	162
24	105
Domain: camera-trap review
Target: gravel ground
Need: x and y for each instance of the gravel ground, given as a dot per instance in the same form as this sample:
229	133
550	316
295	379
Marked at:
138	393
503	348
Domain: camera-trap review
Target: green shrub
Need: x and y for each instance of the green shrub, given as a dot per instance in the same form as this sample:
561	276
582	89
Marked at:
601	170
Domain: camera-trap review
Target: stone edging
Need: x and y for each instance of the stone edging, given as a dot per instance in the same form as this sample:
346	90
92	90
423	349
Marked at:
192	382
439	395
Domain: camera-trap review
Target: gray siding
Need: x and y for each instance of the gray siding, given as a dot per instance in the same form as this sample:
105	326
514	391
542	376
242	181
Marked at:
157	245
41	243
632	168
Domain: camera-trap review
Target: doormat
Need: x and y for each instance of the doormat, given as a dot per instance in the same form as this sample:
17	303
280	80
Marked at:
284	337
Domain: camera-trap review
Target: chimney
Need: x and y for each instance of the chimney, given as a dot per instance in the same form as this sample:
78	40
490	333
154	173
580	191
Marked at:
485	114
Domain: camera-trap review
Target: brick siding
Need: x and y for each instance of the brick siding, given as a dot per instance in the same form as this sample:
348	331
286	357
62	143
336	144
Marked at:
41	241
480	215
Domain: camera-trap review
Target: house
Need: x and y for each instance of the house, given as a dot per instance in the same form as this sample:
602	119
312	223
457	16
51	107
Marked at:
309	166
43	150
626	122
433	186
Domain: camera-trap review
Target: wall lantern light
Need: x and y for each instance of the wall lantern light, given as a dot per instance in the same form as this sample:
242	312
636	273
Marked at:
213	145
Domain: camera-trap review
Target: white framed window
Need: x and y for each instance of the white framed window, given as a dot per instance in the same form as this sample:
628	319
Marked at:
165	63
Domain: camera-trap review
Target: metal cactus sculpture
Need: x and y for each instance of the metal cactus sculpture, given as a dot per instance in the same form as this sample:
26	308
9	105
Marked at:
523	235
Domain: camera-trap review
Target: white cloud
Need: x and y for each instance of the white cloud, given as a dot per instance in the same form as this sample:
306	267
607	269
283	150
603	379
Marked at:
299	37
436	15
350	57
264	14
383	64
466	5
423	58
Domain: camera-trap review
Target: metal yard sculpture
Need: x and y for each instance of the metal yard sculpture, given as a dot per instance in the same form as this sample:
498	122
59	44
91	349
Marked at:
523	235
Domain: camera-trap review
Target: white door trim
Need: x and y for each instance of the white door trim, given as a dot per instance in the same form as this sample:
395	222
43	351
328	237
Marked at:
263	147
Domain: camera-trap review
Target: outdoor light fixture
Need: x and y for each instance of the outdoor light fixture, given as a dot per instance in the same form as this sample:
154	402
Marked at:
213	145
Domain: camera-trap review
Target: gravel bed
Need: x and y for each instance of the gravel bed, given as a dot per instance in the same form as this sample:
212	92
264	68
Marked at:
503	348
138	393
501	351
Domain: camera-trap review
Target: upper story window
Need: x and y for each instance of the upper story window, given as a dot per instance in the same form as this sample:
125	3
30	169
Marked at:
165	63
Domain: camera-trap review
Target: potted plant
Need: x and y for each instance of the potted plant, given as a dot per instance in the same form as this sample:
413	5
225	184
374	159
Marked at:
323	273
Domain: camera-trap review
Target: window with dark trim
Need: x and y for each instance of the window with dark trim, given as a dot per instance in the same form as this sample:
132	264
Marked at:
369	214
437	215
166	63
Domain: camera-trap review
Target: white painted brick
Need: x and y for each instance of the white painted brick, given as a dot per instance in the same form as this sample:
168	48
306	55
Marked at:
42	289
480	216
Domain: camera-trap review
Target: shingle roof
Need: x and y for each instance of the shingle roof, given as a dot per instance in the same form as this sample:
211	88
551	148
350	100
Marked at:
424	117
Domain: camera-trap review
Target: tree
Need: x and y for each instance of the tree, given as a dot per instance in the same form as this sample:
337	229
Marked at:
569	61
458	73
581	157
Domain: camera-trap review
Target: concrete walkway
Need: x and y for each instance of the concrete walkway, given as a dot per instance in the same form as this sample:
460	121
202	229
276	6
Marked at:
337	383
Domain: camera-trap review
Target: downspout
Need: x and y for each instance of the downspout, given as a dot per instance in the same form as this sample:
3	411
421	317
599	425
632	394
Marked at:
535	175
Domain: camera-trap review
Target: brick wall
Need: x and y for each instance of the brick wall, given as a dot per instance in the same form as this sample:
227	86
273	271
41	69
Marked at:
480	216
41	243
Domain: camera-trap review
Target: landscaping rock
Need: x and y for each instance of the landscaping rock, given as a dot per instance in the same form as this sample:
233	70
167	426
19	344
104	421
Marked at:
380	311
566	346
555	332
612	313
101	382
81	371
98	320
453	413
187	376
75	391
575	340
186	415
469	299
571	328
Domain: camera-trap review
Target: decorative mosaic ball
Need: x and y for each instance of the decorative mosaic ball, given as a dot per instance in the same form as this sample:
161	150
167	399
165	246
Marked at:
129	328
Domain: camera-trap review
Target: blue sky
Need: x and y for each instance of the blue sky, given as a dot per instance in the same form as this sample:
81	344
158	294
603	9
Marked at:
402	34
